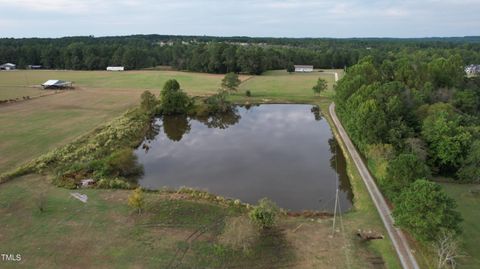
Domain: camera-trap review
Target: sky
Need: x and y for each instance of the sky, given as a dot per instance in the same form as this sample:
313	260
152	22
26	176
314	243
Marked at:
267	18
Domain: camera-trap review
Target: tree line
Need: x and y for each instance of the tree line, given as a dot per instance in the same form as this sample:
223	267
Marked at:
415	116
217	54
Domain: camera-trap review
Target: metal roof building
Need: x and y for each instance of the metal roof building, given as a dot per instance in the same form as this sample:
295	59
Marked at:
57	84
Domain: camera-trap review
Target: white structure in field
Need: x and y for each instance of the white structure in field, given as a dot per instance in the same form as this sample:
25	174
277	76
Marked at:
115	68
57	84
303	68
8	66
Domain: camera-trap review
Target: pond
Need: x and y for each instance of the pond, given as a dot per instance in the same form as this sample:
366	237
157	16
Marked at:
286	153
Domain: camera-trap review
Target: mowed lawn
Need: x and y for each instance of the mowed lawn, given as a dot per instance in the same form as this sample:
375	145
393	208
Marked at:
469	206
281	86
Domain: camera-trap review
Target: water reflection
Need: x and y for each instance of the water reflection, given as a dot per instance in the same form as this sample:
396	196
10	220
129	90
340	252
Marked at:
316	113
339	163
175	127
220	121
275	151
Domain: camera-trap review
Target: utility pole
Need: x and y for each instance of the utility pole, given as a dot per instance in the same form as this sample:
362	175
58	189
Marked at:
335	213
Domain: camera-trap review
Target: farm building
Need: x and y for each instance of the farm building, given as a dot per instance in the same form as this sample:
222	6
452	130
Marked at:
115	68
33	66
472	69
303	68
57	84
8	66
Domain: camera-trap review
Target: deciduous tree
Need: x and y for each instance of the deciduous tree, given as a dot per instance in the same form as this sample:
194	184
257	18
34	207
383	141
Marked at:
425	210
231	82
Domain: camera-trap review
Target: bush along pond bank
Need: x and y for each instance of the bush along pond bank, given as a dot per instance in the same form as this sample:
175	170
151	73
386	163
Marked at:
106	154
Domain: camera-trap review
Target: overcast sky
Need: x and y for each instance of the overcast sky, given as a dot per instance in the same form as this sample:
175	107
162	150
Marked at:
276	18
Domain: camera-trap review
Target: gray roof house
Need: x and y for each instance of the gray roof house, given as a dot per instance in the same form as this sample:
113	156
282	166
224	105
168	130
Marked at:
473	69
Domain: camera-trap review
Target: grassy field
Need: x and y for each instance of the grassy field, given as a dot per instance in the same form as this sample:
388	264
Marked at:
280	86
33	127
194	83
105	229
468	205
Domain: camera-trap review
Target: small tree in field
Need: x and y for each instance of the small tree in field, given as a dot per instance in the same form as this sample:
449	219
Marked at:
136	200
265	214
231	82
320	86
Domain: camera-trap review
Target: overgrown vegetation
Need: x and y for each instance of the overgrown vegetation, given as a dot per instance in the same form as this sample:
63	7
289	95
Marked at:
265	214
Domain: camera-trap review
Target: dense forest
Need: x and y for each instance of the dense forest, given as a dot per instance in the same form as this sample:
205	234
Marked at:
220	54
416	118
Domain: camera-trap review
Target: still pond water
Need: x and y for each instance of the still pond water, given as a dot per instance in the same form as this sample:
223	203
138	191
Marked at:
284	152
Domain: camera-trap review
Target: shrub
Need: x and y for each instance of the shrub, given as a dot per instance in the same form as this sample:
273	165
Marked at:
122	163
136	200
218	103
248	93
149	102
105	183
265	214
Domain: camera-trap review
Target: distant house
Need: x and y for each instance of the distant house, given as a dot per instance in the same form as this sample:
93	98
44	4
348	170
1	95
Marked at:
473	69
57	84
115	68
33	66
8	66
303	68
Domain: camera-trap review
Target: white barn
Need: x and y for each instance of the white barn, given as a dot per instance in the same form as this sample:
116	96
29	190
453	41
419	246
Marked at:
303	68
8	66
115	68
